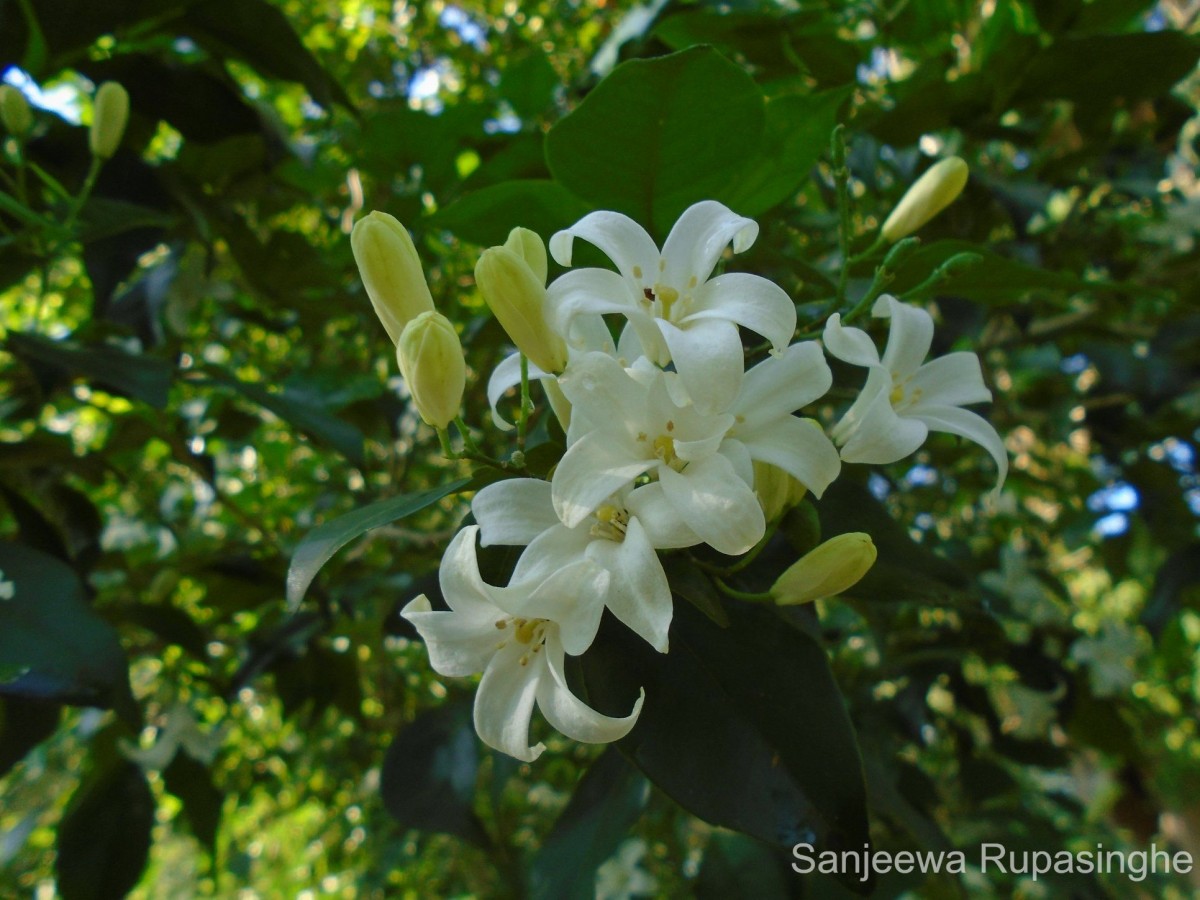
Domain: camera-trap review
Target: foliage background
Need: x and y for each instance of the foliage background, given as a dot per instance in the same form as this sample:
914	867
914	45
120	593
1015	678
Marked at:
193	380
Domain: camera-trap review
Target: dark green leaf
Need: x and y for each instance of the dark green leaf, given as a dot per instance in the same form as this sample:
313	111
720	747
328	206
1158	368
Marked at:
191	782
144	378
486	216
325	540
996	279
657	135
428	777
605	804
24	723
1176	578
738	866
743	726
104	837
52	645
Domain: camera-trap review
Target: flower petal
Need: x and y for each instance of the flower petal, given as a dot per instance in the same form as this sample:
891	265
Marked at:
618	237
879	435
504	701
715	502
505	376
459	578
458	644
851	345
572	597
665	529
603	396
709	359
780	385
910	336
951	380
699	237
513	511
800	448
572	716
589	472
638	593
750	301
973	427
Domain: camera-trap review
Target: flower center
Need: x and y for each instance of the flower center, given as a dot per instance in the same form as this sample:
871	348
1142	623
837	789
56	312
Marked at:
611	523
664	449
530	632
900	397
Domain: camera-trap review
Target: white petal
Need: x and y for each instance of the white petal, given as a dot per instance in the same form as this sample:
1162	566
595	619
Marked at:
800	448
586	293
720	506
603	396
572	597
638	593
709	359
848	344
458	644
462	585
750	301
618	237
513	511
504	701
665	528
909	338
554	549
589	472
879	435
739	457
780	385
699	237
572	716
505	376
971	426
951	380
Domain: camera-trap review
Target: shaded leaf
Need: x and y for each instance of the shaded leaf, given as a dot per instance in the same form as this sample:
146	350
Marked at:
191	782
322	542
24	723
487	215
144	378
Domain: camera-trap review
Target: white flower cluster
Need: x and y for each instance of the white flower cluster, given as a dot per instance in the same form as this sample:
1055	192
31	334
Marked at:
670	443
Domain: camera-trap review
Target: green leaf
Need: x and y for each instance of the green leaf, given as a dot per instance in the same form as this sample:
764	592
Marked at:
996	279
796	134
428	776
486	216
605	804
52	645
104	837
191	782
657	135
262	36
738	866
24	723
301	411
742	726
144	378
103	218
1175	584
322	542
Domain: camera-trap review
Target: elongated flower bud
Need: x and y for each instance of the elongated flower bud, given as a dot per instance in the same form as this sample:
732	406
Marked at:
517	298
829	569
391	271
110	113
431	361
529	246
777	490
15	111
932	192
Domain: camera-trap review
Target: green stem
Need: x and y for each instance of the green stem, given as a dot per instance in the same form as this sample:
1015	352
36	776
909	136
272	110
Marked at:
444	439
753	552
870	251
526	403
748	596
88	183
468	442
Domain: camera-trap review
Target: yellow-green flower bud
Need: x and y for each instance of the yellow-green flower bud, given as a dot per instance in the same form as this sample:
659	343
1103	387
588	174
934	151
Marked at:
15	111
932	192
828	569
528	245
391	271
431	361
517	298
110	114
777	490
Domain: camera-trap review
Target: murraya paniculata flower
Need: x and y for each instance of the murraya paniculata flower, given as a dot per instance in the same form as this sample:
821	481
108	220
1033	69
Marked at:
829	568
518	637
431	361
110	113
626	423
676	312
391	271
904	397
930	194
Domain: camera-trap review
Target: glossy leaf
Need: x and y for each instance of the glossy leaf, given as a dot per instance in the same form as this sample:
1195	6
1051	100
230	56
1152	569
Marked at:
486	216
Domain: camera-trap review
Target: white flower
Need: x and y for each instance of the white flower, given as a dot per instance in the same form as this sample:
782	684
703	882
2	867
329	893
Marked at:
517	636
903	399
629	423
621	536
676	312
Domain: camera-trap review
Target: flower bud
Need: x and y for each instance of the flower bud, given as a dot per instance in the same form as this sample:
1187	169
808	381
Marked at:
431	361
110	113
15	111
528	245
932	192
517	297
777	490
391	271
830	568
